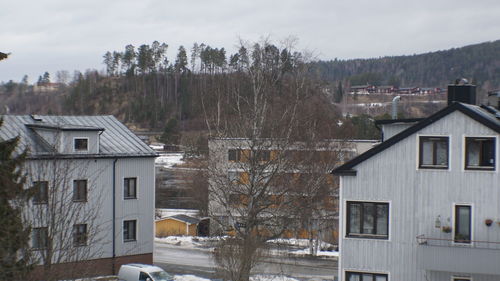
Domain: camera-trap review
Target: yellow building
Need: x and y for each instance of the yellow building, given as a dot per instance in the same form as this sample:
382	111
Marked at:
176	225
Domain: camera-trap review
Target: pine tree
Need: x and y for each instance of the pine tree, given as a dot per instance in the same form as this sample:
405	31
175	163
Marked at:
181	61
14	235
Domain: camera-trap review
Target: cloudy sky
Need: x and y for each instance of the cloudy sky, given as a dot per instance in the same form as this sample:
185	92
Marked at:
51	35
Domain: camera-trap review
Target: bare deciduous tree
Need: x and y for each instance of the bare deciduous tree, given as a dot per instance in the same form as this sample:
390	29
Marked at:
255	118
64	216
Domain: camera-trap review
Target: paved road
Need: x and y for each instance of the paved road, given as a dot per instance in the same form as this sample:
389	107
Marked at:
179	260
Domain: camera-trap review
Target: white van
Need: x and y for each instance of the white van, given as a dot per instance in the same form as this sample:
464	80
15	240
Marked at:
142	272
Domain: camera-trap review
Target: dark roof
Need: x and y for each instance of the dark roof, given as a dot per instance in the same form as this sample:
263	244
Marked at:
392	121
488	116
184	218
63	127
116	140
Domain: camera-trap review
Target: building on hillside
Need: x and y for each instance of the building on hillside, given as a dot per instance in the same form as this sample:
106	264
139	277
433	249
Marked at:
93	207
386	90
47	87
362	89
230	157
423	204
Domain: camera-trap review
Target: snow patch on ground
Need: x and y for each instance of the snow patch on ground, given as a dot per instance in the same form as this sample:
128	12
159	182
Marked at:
188	241
168	160
272	278
157	146
207	242
189	278
305	252
253	278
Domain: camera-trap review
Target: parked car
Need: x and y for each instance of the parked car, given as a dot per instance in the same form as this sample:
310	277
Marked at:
143	272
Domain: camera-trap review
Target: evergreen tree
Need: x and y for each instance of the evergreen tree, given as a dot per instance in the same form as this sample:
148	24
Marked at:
171	133
339	93
181	61
46	77
14	235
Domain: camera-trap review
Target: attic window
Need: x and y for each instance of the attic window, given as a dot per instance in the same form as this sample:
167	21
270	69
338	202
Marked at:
81	144
479	153
433	153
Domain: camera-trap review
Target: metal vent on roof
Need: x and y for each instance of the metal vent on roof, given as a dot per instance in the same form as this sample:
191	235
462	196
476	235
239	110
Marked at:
36	118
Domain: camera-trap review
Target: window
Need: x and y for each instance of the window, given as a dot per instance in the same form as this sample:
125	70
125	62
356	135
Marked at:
463	223
81	144
368	219
433	153
80	234
263	155
365	276
461	279
480	153
130	188
40	238
129	230
41	192
143	276
79	190
234	155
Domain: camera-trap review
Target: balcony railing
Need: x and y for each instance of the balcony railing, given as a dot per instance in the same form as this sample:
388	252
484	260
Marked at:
444	242
460	256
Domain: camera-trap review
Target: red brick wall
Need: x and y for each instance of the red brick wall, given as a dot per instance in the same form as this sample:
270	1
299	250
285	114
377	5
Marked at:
88	268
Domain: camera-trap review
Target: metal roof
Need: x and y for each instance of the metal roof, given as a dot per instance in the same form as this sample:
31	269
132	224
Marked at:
184	218
116	140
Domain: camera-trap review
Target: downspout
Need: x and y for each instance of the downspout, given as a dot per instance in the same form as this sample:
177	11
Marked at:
114	215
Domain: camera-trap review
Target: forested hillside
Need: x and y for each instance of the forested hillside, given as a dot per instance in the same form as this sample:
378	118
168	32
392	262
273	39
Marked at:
479	63
142	87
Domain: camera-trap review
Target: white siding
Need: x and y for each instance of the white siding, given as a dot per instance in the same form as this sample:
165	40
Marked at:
99	173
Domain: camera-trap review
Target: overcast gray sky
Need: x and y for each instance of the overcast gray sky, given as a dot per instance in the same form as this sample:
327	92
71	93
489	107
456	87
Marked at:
51	35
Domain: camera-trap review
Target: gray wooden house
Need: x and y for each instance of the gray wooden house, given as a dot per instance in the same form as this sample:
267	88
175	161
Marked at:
425	203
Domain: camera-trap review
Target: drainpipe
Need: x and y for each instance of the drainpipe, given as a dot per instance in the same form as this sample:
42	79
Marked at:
114	215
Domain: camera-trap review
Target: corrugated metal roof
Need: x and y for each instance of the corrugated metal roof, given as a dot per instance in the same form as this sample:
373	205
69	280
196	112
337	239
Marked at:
116	140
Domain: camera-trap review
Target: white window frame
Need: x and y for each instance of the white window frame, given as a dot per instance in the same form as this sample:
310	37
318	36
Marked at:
86	235
464	154
136	188
456	278
344	220
86	191
80	138
345	270
38	191
136	230
47	238
471	244
417	147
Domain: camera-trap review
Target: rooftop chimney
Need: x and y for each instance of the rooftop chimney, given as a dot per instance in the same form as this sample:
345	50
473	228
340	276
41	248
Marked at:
462	91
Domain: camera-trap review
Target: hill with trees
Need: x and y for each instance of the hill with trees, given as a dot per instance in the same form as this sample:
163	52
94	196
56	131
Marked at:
143	88
480	63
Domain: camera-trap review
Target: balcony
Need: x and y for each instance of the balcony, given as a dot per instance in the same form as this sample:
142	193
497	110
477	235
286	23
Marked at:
473	257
